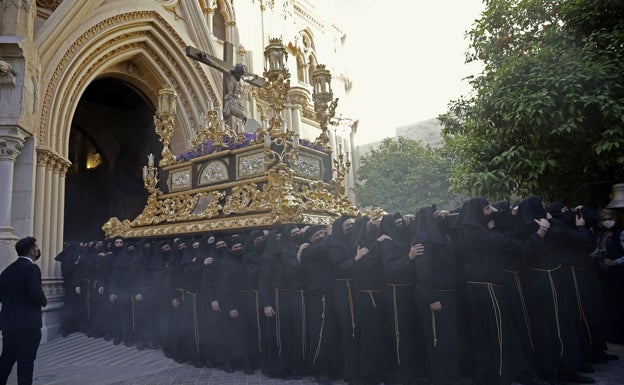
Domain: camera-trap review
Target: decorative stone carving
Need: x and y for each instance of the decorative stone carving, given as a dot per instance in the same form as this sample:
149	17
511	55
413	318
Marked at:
10	148
169	5
51	5
105	53
7	74
52	161
19	4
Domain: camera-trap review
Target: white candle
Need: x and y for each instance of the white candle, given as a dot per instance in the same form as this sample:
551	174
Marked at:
295	140
267	140
150	160
210	105
144	172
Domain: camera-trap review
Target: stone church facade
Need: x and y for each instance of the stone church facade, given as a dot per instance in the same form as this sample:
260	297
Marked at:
79	86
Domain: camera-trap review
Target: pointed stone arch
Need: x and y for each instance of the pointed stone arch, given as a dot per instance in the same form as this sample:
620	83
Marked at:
227	11
143	39
106	45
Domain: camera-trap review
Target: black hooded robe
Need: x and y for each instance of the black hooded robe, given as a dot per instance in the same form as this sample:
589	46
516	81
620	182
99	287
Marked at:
407	359
342	257
436	276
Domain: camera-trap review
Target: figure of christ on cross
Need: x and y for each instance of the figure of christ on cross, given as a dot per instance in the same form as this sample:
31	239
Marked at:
232	105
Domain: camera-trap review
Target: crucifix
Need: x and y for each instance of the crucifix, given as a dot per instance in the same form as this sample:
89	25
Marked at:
232	75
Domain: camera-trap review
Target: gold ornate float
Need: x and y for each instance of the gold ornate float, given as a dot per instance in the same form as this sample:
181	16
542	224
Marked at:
243	181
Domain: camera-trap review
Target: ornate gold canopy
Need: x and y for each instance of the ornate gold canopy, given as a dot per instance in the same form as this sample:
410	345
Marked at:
231	180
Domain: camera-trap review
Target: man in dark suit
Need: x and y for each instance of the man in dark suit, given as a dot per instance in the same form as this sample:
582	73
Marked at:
22	297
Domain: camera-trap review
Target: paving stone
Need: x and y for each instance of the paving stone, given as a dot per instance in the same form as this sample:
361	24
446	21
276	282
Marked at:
79	360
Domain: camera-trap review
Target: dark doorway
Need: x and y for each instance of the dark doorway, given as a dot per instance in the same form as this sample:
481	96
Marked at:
112	133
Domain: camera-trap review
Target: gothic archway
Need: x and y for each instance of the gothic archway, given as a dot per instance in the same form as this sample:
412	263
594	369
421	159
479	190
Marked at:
144	51
111	135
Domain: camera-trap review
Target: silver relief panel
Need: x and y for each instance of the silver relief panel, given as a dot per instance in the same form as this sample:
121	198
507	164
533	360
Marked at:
180	180
213	172
250	165
309	167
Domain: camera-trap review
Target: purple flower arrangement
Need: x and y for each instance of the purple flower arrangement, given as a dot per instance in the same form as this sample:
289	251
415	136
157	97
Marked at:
229	143
309	144
208	146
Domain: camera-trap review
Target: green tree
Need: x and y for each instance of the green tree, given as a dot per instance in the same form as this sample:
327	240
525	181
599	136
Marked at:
547	113
403	175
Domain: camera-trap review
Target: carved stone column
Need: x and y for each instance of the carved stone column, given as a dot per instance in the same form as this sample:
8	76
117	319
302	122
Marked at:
40	182
206	6
60	170
11	143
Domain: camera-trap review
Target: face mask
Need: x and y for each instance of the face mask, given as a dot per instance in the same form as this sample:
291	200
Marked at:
237	253
608	223
298	238
372	230
259	245
38	255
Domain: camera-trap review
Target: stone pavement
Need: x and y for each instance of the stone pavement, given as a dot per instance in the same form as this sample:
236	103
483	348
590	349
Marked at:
79	360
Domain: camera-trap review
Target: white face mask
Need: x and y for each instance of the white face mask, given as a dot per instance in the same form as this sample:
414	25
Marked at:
608	223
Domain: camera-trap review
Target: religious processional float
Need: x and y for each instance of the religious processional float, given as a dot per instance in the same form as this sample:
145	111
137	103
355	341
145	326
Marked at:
233	180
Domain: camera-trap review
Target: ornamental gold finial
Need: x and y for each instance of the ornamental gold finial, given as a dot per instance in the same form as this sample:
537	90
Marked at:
164	122
324	102
341	167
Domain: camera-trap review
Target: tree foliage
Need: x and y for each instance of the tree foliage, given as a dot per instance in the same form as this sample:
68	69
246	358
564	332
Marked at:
403	175
547	112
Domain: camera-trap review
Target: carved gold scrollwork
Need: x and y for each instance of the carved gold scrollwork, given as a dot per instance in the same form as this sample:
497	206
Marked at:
280	193
208	205
179	208
243	199
151	211
115	227
317	197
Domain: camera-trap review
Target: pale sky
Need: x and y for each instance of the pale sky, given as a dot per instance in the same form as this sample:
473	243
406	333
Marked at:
405	58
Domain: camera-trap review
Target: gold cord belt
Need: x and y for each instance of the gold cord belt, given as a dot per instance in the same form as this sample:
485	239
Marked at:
181	292
303	324
88	298
433	317
318	347
370	294
195	321
277	324
255	292
258	320
348	282
497	316
433	327
555	298
397	333
133	326
579	303
525	313
278	327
